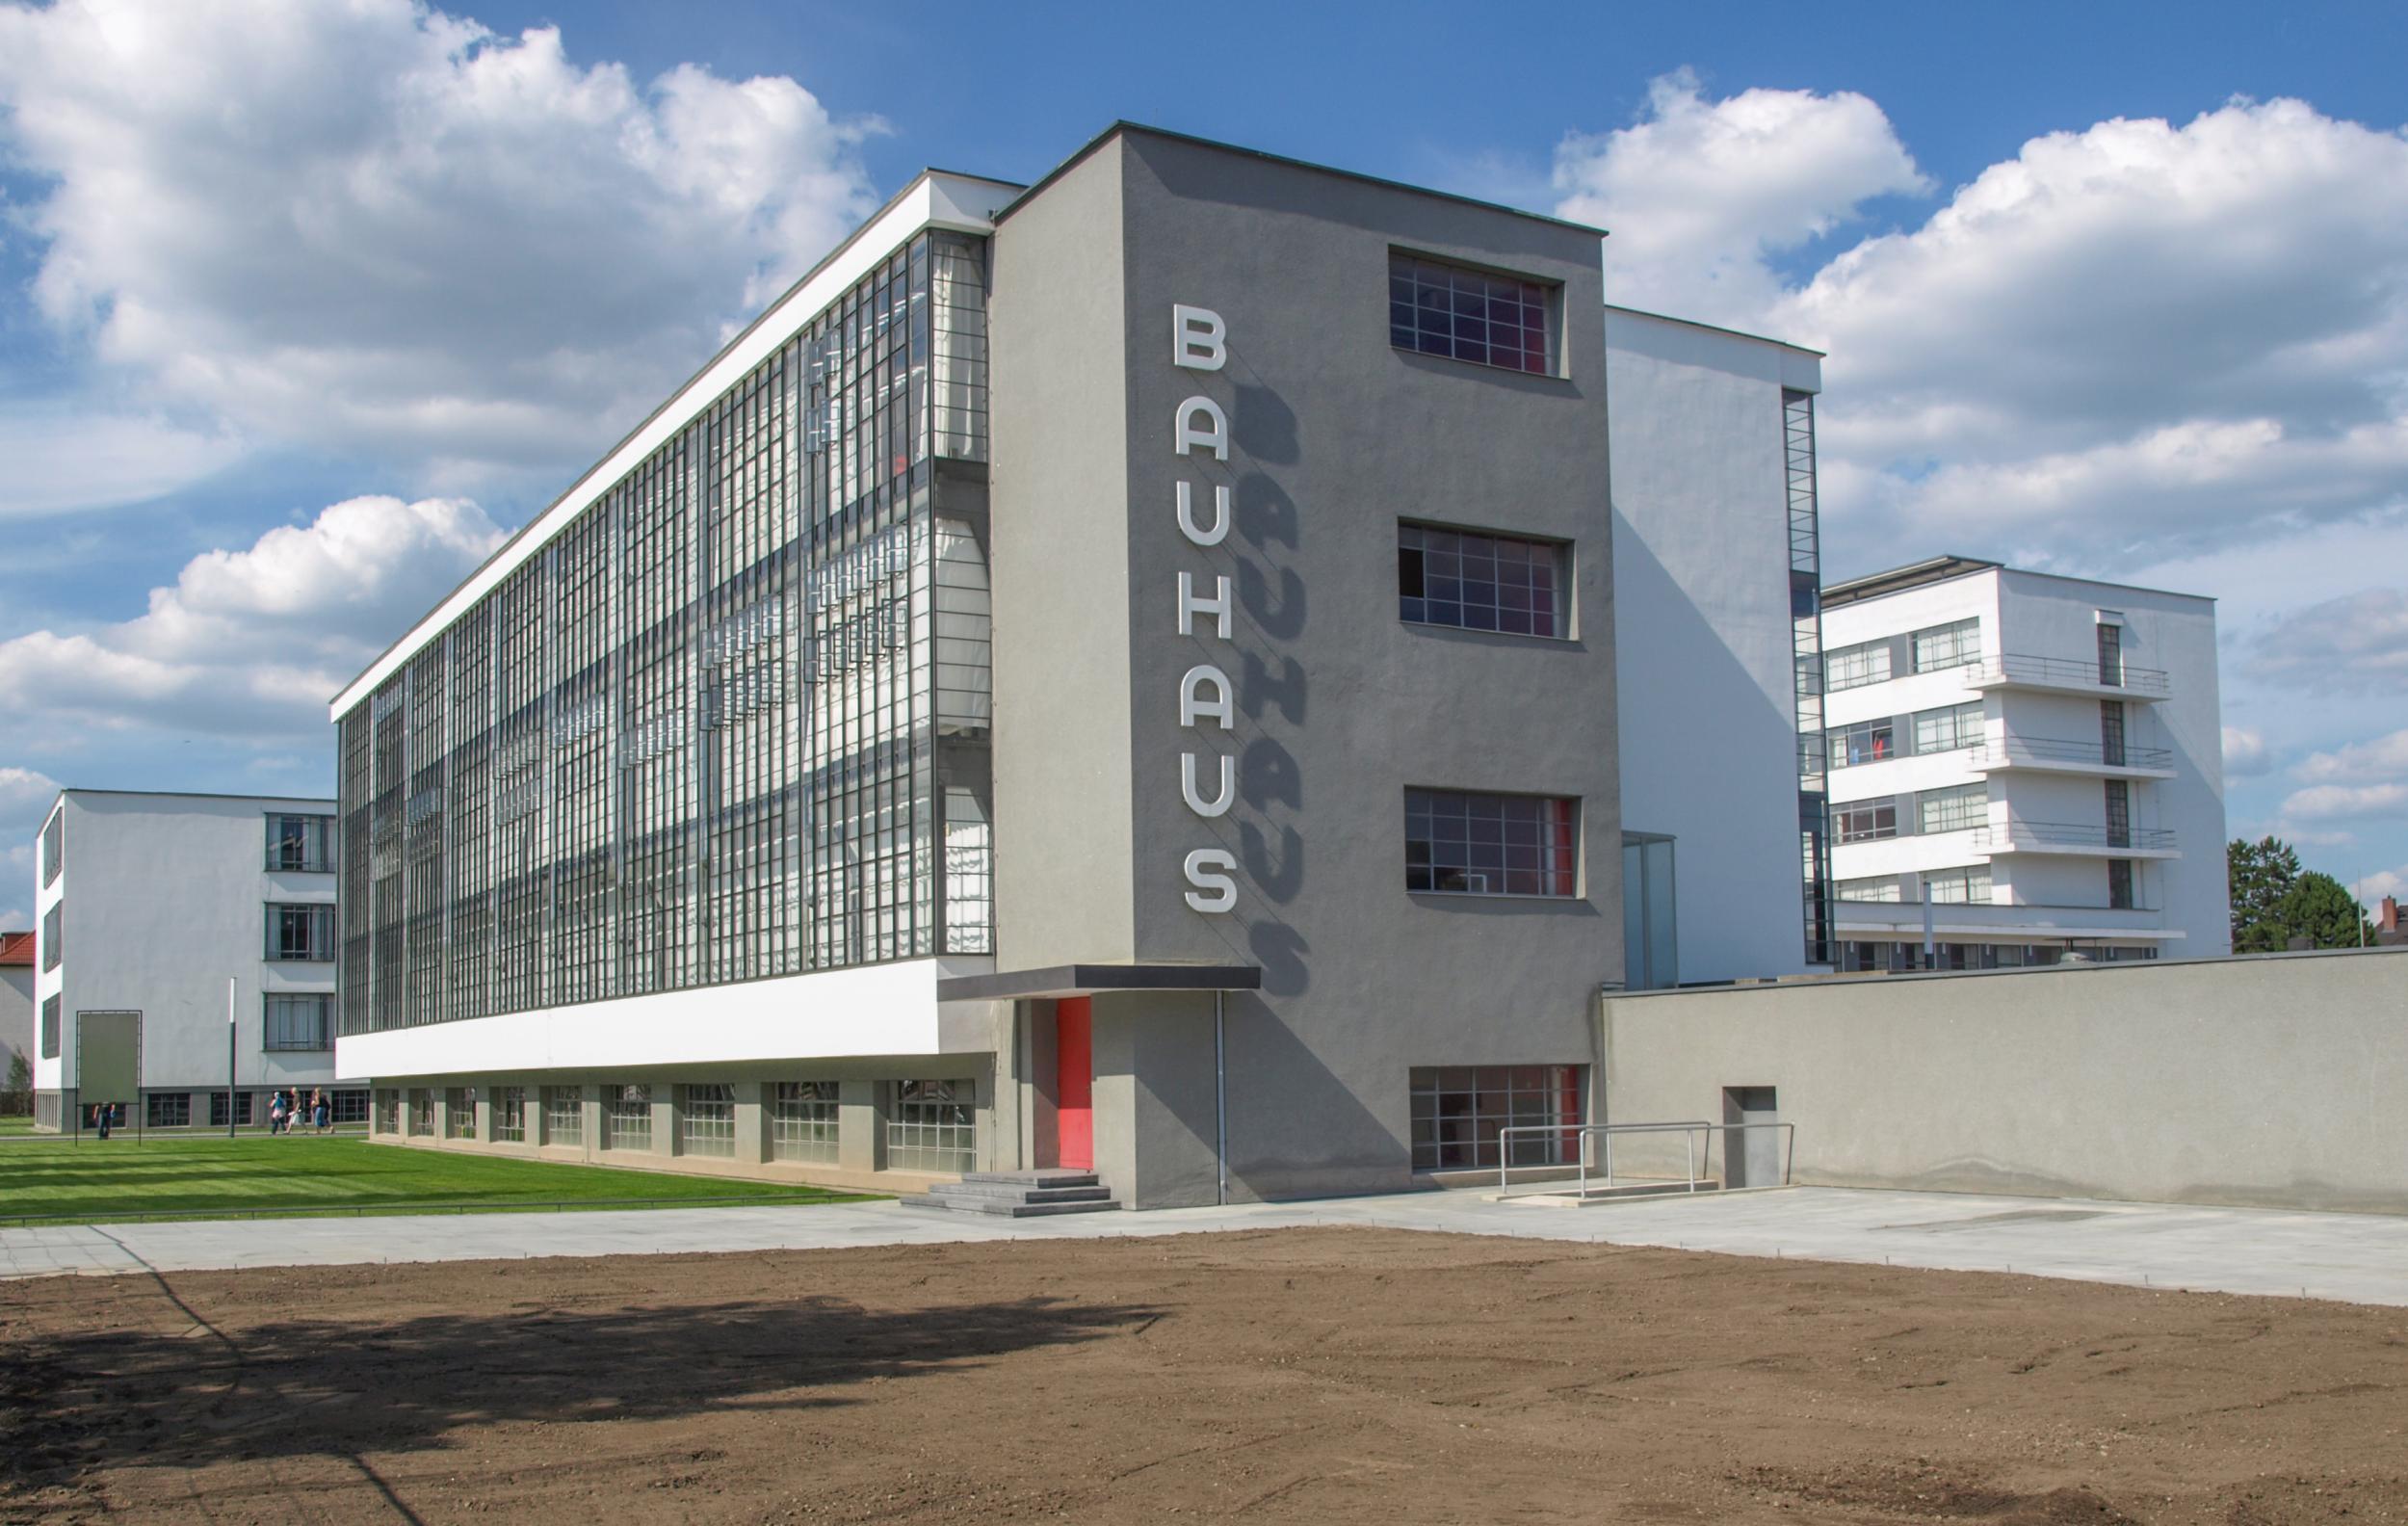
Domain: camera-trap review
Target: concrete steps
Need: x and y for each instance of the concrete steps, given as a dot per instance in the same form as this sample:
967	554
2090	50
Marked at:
1018	1195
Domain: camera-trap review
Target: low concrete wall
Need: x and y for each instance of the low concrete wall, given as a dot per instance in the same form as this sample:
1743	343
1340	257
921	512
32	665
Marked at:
2272	1081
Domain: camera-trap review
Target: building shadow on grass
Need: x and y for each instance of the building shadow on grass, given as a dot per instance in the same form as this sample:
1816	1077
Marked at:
179	1395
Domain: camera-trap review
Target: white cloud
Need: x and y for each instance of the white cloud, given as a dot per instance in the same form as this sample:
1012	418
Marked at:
375	226
2246	752
2354	644
2381	760
65	456
2384	883
2135	339
2346	801
1699	195
249	645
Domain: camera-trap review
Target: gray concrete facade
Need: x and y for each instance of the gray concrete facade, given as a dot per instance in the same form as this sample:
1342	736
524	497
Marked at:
1340	707
2269	1081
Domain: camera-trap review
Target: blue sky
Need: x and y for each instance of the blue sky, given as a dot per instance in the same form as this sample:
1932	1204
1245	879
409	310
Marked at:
301	307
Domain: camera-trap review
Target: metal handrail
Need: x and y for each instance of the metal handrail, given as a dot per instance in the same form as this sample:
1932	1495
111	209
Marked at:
2028	668
1691	1129
2072	834
2049	749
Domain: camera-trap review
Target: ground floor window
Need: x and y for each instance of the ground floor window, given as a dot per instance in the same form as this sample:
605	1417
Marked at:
1458	1111
627	1117
706	1120
421	1113
933	1126
509	1115
167	1109
802	1122
459	1112
349	1106
563	1115
388	1110
220	1109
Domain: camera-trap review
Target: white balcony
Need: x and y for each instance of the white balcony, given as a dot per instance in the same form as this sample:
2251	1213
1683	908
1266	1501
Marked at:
2068	675
2091	759
1998	922
2074	839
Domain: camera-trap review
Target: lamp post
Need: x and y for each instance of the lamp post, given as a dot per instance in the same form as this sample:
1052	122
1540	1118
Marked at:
229	1057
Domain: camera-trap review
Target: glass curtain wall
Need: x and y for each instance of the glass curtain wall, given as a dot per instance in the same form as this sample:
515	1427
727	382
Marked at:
730	723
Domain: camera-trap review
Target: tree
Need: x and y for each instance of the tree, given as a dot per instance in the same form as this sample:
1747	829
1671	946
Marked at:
19	1095
2320	909
2260	875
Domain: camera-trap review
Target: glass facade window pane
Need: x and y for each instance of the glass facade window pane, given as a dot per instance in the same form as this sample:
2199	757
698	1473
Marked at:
802	1122
1968	885
706	1120
1482	582
1854	667
1489	844
459	1112
238	1108
53	847
1865	742
1952	809
388	1111
1459	1111
421	1113
698	736
1879	887
167	1109
53	937
301	844
301	933
627	1117
1864	821
563	1115
1949	729
933	1126
349	1105
50	1024
1950	646
1487	319
301	1022
507	1109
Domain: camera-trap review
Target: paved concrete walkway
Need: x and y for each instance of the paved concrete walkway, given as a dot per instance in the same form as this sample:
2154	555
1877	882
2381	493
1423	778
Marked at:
2359	1258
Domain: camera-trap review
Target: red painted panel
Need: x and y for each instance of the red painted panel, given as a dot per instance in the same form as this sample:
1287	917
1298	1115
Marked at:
1074	1082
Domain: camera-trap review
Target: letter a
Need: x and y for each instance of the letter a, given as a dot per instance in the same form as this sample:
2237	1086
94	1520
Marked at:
1184	436
1191	706
1198	339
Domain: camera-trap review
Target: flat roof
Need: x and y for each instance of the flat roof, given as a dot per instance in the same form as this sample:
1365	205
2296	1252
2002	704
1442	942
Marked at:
1124	126
1941	568
204	795
1085	979
1736	333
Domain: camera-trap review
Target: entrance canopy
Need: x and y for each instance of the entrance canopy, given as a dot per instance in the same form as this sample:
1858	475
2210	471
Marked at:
1086	980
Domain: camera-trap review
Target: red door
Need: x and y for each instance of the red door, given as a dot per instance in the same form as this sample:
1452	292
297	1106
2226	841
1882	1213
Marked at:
1074	1083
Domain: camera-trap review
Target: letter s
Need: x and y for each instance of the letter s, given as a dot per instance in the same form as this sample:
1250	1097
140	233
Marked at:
1214	891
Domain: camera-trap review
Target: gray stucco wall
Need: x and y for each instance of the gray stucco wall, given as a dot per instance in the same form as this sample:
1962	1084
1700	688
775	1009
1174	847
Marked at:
2271	1081
1059	567
1339	706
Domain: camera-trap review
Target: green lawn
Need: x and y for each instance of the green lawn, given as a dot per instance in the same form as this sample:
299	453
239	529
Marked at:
167	1178
18	1123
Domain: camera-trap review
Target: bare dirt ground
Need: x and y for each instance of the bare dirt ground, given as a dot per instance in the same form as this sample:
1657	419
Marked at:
1305	1375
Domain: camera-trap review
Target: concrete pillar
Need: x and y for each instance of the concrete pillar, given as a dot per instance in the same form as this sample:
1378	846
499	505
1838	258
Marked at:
861	1125
752	1121
663	1118
593	1142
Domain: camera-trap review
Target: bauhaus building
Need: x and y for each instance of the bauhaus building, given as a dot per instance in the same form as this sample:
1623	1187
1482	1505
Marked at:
1158	671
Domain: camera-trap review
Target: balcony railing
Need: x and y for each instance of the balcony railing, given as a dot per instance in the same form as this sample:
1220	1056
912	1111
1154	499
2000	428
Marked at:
2068	673
2046	749
2070	835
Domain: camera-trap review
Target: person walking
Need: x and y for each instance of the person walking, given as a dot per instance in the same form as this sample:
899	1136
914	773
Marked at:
100	1118
276	1113
321	1112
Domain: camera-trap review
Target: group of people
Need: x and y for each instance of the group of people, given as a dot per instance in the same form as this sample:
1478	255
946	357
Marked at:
287	1113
